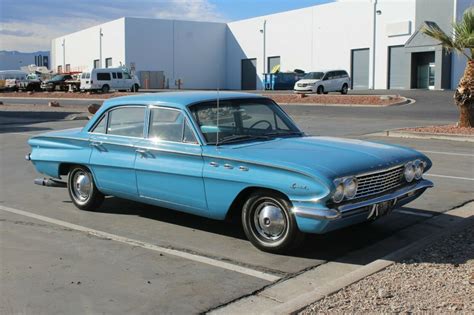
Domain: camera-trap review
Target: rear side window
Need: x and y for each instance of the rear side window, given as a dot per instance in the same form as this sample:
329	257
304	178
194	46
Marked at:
114	75
344	74
127	121
103	76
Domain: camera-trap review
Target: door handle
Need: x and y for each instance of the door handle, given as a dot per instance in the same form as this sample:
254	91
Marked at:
214	164
95	144
142	152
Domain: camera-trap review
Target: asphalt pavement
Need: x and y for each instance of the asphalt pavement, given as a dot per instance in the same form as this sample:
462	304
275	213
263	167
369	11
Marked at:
134	258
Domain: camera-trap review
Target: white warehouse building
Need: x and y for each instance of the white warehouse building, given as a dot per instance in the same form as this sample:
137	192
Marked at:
378	42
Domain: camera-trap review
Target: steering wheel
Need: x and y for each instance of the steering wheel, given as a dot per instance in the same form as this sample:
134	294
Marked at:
262	121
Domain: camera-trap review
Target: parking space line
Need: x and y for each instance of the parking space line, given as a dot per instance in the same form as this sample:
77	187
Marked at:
132	242
446	176
448	153
420	214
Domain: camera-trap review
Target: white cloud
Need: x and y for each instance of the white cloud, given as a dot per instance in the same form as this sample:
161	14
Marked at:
31	33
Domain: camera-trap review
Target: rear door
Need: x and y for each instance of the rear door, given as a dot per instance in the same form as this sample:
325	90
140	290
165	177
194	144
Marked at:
113	141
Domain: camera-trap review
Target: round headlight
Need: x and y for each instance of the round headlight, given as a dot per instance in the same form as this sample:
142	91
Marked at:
339	192
419	169
409	172
350	187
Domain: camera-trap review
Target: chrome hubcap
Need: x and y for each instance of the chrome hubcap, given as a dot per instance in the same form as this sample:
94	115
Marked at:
81	186
270	221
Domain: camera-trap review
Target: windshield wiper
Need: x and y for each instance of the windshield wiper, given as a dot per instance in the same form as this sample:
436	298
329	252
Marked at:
236	138
284	133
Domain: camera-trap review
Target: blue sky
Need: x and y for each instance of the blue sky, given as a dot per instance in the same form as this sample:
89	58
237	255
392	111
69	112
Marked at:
29	25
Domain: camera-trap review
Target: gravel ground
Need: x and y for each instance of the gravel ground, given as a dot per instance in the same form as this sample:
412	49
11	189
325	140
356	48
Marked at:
440	279
56	95
444	129
336	99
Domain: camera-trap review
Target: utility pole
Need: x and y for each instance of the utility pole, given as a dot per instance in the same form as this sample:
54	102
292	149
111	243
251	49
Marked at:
64	54
264	32
374	44
100	47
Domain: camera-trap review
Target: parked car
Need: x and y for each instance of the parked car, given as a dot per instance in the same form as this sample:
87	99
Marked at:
225	155
107	79
31	82
324	82
9	79
57	82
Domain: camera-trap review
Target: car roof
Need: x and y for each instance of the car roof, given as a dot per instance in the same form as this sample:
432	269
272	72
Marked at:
176	99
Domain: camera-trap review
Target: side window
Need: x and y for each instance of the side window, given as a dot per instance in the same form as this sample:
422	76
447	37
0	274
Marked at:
101	126
103	76
126	75
344	74
127	121
169	125
114	75
119	75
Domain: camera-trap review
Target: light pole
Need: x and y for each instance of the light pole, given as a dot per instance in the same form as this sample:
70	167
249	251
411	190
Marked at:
64	54
264	32
374	44
100	47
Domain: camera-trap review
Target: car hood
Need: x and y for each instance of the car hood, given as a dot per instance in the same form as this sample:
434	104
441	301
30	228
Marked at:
308	81
325	156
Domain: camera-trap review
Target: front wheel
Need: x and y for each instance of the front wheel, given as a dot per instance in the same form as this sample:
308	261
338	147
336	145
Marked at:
135	88
269	223
105	88
82	189
320	89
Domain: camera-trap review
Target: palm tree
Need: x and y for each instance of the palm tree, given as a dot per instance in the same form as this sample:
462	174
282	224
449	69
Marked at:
462	42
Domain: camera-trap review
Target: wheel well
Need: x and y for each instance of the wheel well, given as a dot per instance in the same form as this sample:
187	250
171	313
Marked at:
65	167
235	208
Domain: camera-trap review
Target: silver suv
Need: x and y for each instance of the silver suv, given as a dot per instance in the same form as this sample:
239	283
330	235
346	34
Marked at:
324	82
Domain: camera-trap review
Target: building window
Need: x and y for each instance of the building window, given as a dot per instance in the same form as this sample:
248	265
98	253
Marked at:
60	69
273	64
68	68
108	62
46	61
96	63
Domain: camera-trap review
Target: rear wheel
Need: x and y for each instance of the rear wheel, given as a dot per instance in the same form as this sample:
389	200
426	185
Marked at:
320	89
82	189
344	89
269	223
105	88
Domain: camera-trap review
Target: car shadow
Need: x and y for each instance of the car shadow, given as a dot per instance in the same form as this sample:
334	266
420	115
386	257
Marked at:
332	246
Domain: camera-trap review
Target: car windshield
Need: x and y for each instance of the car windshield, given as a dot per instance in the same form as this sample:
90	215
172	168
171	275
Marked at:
242	120
314	75
58	77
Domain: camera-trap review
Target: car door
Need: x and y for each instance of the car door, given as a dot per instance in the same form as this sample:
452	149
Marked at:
329	82
169	163
113	141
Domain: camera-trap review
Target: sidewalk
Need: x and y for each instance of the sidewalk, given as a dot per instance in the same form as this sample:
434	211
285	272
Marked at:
438	279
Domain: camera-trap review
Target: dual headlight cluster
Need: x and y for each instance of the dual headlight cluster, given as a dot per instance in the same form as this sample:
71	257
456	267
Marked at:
345	188
414	170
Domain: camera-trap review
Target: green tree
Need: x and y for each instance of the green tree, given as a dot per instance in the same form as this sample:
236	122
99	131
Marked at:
461	41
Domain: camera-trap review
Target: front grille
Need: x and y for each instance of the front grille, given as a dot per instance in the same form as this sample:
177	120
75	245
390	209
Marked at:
302	84
375	183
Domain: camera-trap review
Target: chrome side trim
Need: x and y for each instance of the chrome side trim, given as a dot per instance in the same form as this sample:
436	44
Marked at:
423	184
318	214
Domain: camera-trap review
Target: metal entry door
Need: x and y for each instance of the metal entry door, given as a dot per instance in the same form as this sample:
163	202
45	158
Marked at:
398	72
360	68
249	74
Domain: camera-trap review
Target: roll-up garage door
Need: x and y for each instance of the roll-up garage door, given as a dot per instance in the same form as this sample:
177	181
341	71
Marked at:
398	67
360	68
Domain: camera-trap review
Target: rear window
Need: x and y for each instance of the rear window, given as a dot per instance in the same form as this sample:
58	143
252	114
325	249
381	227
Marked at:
103	76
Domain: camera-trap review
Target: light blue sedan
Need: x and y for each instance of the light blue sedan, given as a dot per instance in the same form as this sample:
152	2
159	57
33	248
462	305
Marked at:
221	155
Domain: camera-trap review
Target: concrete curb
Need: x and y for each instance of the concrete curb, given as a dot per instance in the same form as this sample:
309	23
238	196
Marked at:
267	301
406	101
419	135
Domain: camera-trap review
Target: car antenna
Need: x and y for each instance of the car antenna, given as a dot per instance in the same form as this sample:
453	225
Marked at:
217	136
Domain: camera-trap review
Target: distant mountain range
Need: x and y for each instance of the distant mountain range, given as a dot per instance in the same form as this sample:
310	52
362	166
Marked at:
14	52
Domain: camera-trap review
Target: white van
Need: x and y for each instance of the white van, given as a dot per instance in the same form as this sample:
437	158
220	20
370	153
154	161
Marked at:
323	82
107	79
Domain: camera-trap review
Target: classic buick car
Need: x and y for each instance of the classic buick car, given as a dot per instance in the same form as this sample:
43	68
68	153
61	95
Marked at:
221	155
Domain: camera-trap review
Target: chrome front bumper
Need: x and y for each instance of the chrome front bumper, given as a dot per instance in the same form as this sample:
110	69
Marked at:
399	198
